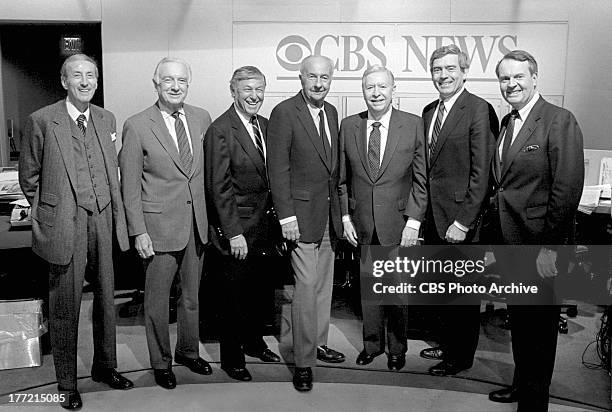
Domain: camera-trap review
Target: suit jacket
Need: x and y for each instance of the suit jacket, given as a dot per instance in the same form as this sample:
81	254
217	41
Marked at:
537	194
161	197
458	172
303	181
47	175
399	191
237	185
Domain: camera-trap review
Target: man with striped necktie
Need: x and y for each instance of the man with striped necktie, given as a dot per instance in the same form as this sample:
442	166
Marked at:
162	171
243	221
383	196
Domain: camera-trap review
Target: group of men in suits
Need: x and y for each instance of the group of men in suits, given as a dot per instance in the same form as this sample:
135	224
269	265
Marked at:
385	177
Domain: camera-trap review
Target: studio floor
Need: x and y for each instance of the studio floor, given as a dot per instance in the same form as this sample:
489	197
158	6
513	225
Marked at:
344	386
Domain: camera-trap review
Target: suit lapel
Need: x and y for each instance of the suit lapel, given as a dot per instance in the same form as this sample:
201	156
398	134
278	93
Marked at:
360	136
64	134
195	134
332	122
392	141
453	117
160	131
103	135
305	118
244	140
524	134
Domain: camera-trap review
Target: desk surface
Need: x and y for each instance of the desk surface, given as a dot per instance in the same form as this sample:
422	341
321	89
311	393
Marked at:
13	238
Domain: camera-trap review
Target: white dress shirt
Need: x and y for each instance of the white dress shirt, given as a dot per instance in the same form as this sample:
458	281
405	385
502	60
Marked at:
74	113
246	121
169	120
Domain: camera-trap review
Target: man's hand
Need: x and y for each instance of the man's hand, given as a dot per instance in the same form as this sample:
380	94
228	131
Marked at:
144	246
349	233
239	248
454	234
547	263
291	231
410	237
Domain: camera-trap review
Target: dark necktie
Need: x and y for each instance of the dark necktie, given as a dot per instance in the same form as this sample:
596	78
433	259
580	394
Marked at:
374	150
183	143
326	145
514	114
81	123
257	133
436	130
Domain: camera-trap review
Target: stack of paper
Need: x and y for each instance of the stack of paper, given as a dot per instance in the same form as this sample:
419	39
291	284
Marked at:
592	196
9	185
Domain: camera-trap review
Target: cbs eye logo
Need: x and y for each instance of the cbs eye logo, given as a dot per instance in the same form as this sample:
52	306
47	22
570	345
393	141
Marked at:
291	50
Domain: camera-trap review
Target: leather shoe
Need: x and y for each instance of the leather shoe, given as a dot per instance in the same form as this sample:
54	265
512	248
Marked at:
435	353
329	355
112	378
396	362
302	379
445	368
266	356
197	365
240	374
505	395
165	378
365	358
72	400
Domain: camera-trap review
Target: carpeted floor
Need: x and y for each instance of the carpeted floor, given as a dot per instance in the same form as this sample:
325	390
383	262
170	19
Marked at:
337	387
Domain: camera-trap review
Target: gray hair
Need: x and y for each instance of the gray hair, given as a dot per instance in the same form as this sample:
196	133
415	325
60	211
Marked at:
156	78
75	58
519	56
245	73
464	62
375	69
311	57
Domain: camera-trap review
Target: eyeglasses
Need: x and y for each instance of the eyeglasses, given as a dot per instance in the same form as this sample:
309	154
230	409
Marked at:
169	81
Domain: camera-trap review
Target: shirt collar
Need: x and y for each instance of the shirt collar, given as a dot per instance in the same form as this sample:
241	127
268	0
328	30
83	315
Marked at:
384	120
448	103
74	113
314	110
524	112
167	115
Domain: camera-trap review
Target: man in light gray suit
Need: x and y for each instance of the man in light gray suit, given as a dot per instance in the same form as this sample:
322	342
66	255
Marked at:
162	169
68	173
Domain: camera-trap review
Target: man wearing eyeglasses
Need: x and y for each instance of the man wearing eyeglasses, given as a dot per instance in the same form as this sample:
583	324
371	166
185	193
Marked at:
162	171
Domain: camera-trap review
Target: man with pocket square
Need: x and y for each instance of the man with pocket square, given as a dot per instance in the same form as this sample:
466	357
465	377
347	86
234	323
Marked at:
537	177
68	173
162	171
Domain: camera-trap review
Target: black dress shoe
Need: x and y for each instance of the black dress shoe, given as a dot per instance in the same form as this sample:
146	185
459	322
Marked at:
72	400
445	368
329	355
165	378
432	353
396	362
197	365
266	356
240	374
365	358
112	378
302	379
506	395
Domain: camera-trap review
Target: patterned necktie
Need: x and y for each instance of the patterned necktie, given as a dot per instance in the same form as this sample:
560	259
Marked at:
81	123
326	145
436	129
183	143
257	133
374	150
514	114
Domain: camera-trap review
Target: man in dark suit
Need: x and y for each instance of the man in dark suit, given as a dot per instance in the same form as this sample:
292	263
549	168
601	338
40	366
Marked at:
383	196
461	131
68	173
242	219
162	172
303	170
537	177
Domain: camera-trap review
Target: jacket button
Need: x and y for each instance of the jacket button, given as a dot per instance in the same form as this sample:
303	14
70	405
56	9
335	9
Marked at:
189	202
501	189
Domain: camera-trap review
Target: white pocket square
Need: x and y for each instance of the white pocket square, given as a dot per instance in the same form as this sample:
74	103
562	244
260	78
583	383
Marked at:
113	136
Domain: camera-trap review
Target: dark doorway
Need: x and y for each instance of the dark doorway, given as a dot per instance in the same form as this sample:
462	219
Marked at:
32	55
